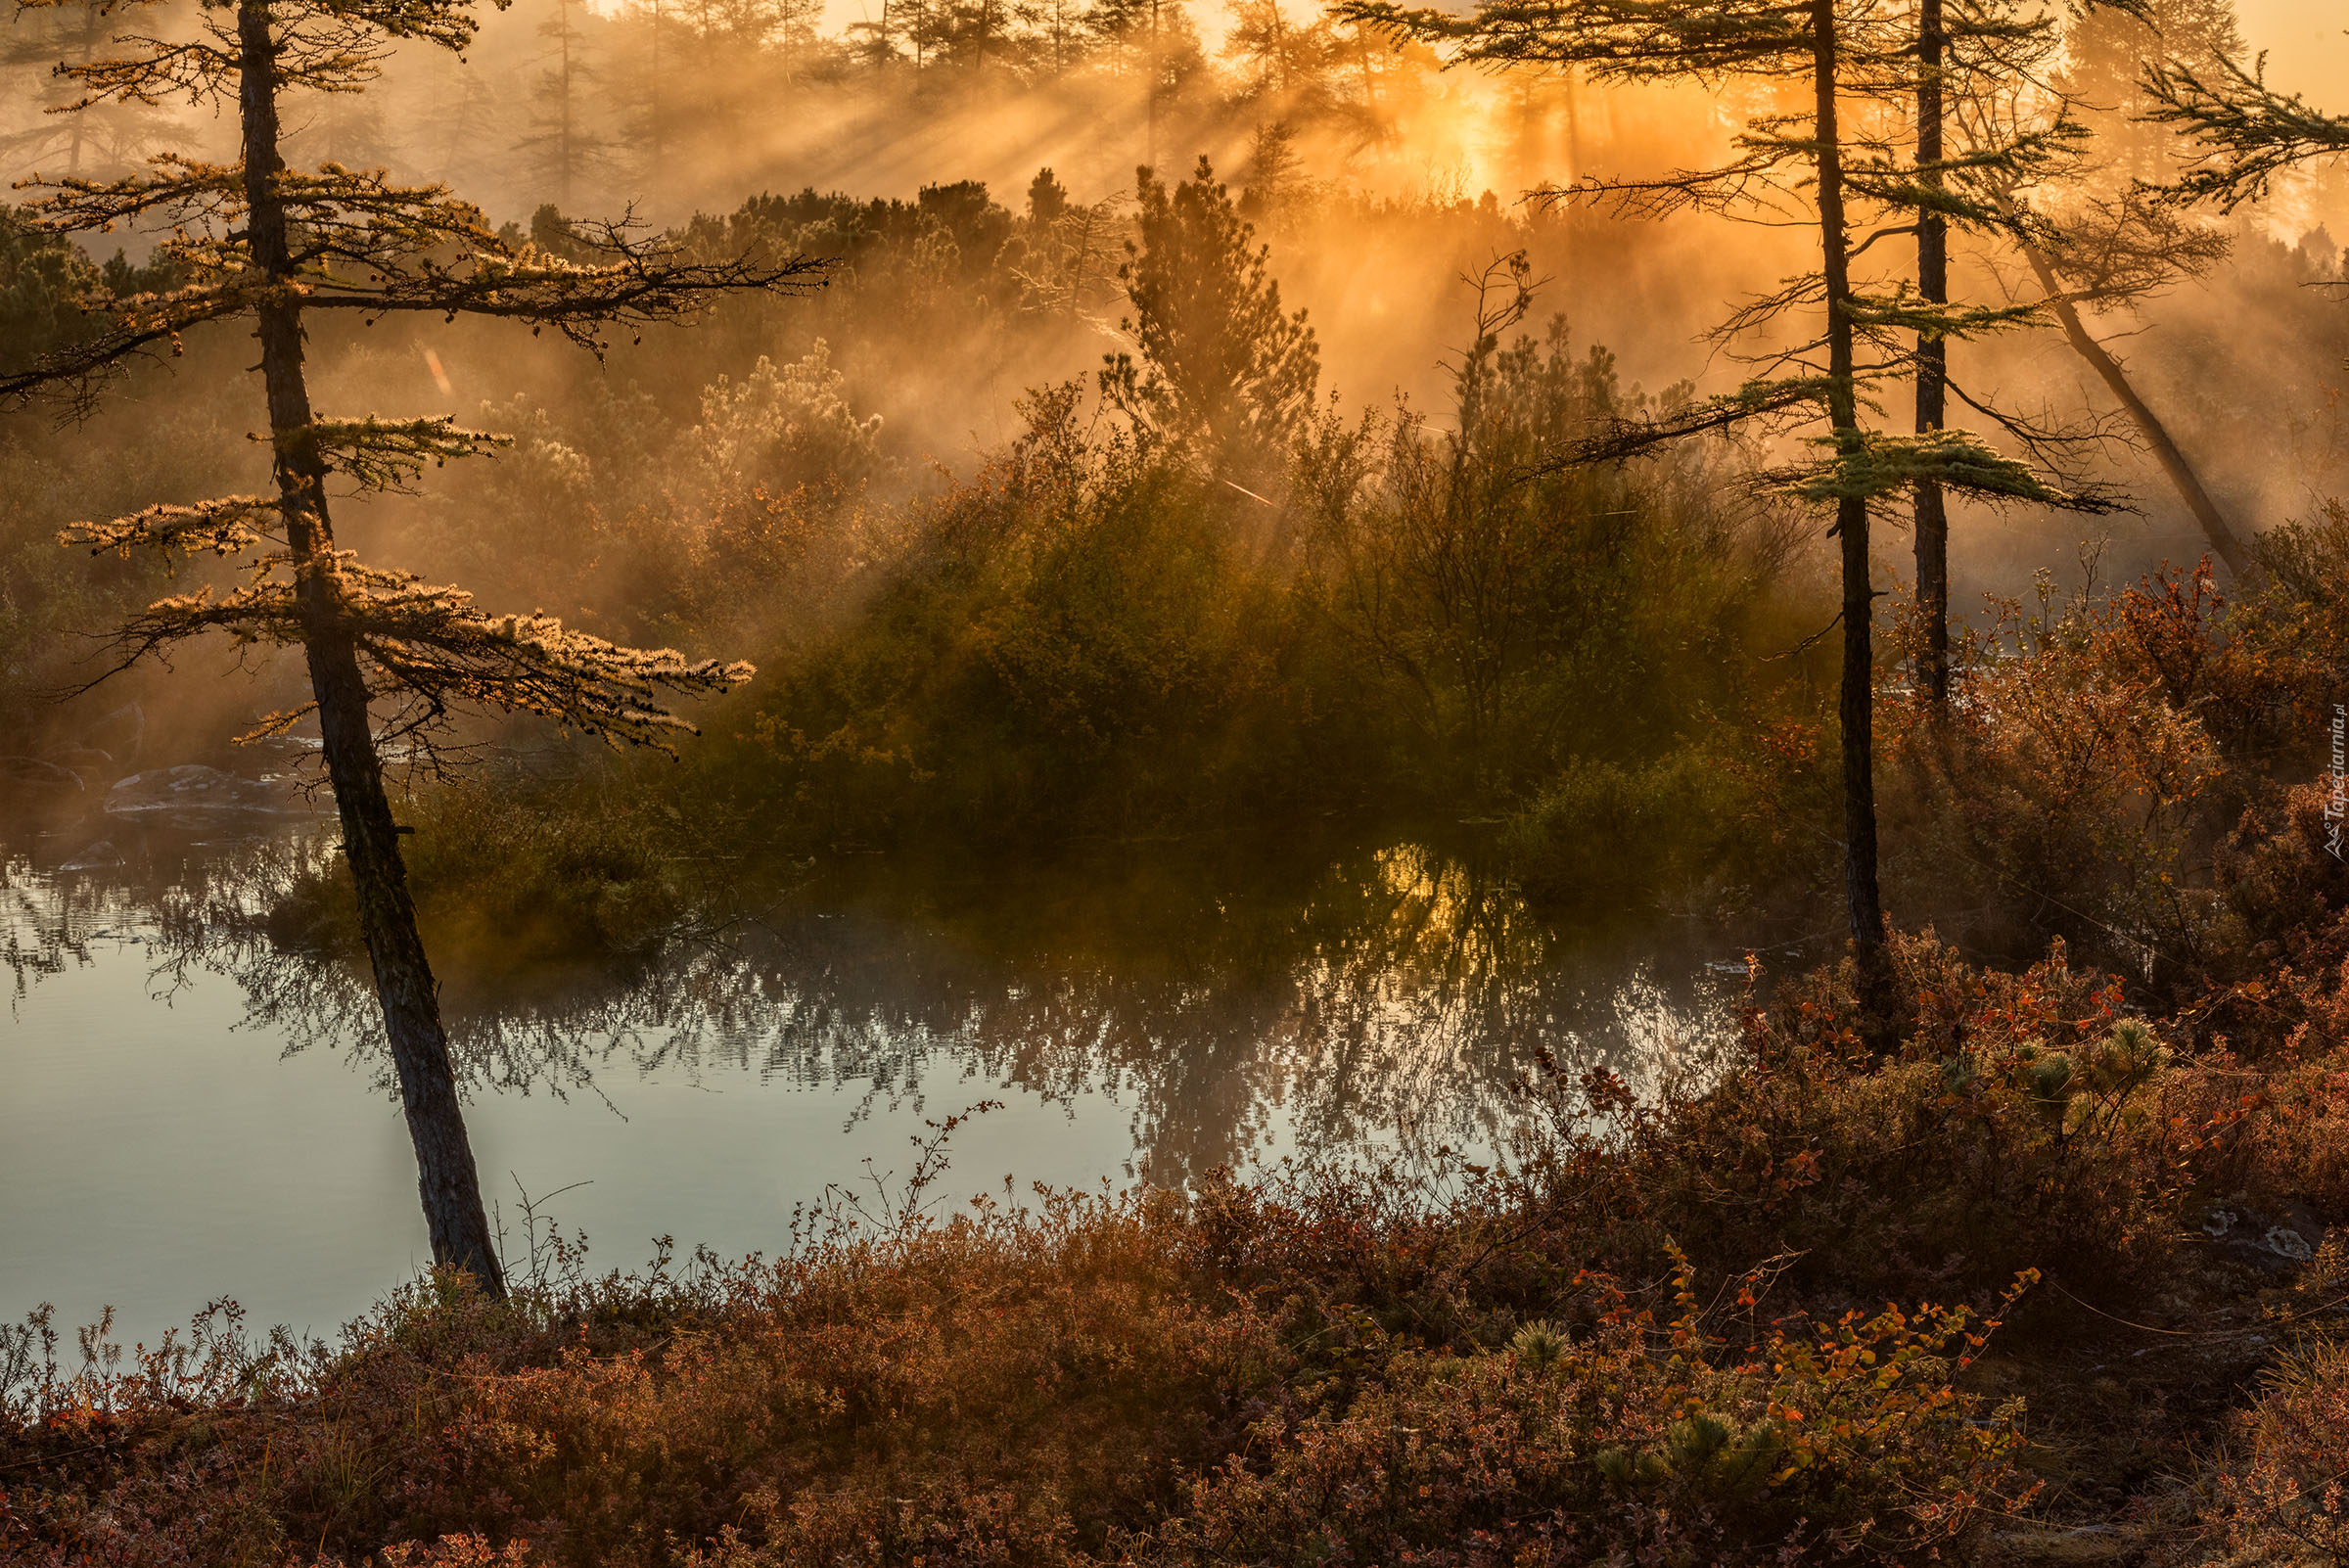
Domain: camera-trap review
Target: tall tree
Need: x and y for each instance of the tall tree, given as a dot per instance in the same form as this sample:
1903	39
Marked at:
1817	162
1969	53
2111	49
2093	241
1155	45
1060	28
654	39
1931	514
1225	371
796	39
2116	256
2243	132
279	246
103	138
564	147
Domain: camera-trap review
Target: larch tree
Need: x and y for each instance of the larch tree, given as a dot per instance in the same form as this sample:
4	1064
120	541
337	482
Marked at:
1835	167
798	39
1960	48
2093	239
262	242
1976	64
2245	133
2103	255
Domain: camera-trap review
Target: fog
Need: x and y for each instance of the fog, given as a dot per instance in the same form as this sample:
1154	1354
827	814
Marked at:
1380	181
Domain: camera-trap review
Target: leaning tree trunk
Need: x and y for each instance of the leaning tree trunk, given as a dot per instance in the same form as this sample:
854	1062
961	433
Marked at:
1865	903
404	981
2225	543
1932	365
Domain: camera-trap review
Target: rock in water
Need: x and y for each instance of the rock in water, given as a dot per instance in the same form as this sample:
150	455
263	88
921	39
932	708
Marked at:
31	776
97	857
193	787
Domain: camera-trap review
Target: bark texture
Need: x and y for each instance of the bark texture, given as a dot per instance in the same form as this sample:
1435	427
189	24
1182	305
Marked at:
447	1183
1857	707
1932	518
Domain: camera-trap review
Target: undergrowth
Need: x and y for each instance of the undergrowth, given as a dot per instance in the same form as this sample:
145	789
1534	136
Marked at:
1681	1330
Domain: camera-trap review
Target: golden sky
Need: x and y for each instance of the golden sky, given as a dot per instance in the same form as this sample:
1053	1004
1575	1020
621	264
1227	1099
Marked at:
2307	48
2306	51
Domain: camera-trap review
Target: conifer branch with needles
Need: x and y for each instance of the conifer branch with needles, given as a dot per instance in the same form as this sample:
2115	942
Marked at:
256	240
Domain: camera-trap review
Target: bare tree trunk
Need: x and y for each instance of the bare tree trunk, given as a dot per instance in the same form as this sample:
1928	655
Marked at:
2225	543
451	1191
1932	516
1865	903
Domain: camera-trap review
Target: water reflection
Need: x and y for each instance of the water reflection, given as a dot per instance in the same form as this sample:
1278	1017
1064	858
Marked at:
1302	998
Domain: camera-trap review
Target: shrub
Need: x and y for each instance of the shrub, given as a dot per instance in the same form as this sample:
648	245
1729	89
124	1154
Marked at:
2277	1489
500	876
1093	1380
1718	816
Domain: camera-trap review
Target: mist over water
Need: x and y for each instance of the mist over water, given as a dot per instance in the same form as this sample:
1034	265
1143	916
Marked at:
756	481
197	1108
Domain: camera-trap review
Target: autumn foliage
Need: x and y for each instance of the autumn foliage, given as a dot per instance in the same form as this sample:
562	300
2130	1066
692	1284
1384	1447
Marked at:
1659	1331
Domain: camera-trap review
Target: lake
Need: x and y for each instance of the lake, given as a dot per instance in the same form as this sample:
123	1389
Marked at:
195	1108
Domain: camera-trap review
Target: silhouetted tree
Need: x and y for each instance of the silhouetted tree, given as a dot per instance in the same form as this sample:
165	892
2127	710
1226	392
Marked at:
2115	255
566	151
2093	241
2244	132
1274	170
1931	514
1813	162
2112	47
1224	371
1969	58
1047	197
102	137
258	241
1068	258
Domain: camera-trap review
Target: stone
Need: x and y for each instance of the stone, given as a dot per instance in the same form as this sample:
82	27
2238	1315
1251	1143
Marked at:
32	776
2271	1243
193	787
96	858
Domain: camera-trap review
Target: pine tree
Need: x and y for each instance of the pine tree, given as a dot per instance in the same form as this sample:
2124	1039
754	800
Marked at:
654	39
1970	55
1835	170
2243	135
796	39
566	150
103	137
1283	59
1061	29
1225	374
979	33
2093	239
2113	47
1157	46
1930	508
261	242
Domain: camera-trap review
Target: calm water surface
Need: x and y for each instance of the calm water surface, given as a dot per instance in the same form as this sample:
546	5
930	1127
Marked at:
191	1107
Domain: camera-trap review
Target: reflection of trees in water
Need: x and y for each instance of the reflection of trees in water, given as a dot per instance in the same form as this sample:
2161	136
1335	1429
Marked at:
1378	992
165	897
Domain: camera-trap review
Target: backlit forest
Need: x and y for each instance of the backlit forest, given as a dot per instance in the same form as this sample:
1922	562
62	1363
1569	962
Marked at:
1244	563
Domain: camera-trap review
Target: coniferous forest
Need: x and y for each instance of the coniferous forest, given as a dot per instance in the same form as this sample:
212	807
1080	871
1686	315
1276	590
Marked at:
1547	782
